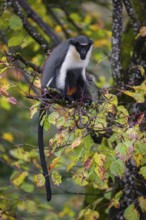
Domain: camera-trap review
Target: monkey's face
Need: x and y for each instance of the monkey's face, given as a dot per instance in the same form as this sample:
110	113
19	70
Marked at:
82	45
82	49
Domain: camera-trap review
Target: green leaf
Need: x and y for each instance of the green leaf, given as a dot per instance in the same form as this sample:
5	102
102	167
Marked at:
124	150
88	142
3	69
131	213
16	40
99	159
112	99
139	93
46	125
122	115
132	133
60	122
80	178
15	23
117	168
34	109
70	165
27	187
20	154
4	103
56	177
143	171
140	146
52	118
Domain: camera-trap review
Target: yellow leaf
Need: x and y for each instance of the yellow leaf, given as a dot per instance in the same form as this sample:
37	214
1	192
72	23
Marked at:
76	143
4	86
142	203
101	185
19	178
94	27
91	215
56	177
99	159
34	109
70	165
114	203
112	99
81	178
142	70
101	43
58	29
138	158
60	138
39	180
100	171
67	211
8	137
143	31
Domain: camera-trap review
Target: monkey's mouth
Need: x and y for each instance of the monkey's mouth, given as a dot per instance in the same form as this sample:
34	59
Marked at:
83	57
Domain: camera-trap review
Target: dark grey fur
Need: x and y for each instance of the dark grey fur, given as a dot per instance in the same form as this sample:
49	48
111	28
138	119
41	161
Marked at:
54	62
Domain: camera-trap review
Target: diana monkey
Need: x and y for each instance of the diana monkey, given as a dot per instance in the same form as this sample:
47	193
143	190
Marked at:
65	71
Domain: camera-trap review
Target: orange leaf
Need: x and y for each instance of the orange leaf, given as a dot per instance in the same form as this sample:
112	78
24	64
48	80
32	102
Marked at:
54	162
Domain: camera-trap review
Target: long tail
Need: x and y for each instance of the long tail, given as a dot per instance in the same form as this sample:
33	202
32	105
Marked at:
42	155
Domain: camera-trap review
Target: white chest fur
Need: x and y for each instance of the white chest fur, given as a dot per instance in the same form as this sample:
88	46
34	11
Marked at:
72	61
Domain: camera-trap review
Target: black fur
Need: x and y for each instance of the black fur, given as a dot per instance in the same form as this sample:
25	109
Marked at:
42	155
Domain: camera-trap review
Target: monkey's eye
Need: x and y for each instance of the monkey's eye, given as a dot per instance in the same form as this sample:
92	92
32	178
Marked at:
84	46
79	46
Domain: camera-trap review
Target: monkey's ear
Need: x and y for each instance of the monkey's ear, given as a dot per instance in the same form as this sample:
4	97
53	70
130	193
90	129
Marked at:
91	41
72	41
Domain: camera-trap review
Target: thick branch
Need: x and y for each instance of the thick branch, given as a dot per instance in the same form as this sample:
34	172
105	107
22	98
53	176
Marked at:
44	26
116	41
18	56
29	28
134	20
138	59
3	6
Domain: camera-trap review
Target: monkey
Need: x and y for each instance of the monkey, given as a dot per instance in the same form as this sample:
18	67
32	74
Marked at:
65	71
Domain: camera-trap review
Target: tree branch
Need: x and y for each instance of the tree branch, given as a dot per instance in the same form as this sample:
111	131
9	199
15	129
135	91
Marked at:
28	27
79	29
44	26
54	16
17	56
17	64
134	20
117	41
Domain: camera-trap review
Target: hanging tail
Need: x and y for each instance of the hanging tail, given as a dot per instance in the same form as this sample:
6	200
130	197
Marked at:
42	154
